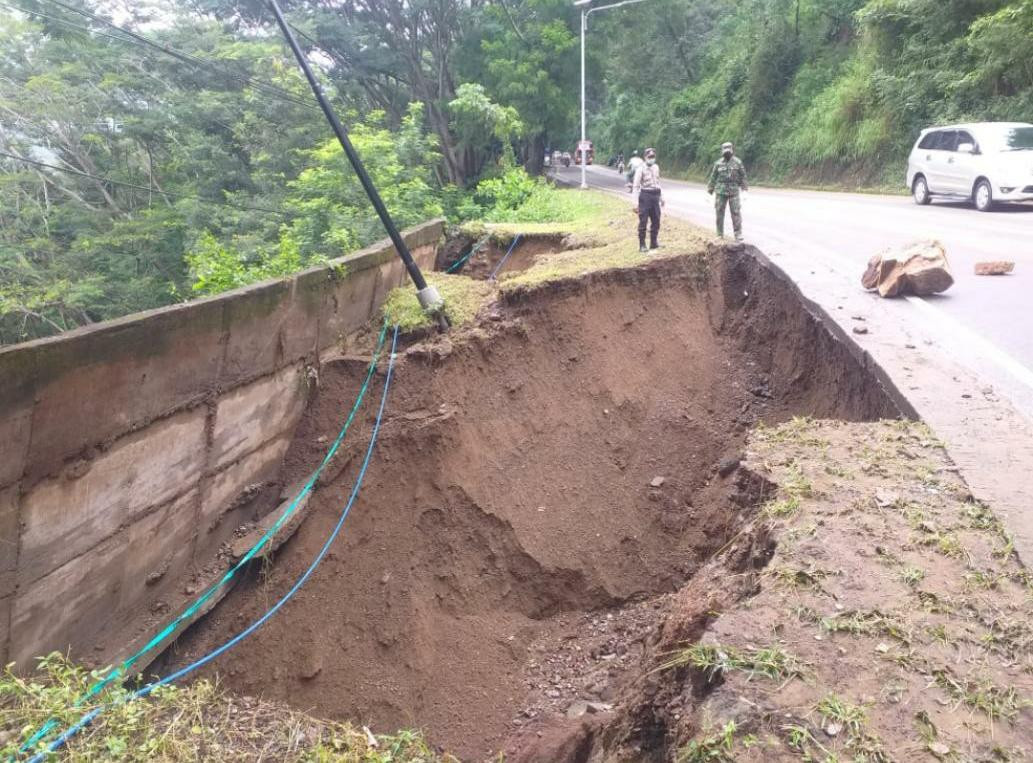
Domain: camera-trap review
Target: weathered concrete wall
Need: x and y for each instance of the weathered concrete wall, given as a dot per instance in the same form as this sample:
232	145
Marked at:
130	450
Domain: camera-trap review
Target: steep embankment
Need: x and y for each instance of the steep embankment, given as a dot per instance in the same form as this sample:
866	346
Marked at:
568	456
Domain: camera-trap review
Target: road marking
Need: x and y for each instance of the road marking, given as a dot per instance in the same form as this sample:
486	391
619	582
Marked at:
994	353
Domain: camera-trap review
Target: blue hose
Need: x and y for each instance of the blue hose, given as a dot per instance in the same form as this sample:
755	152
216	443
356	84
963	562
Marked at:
512	246
89	717
473	250
191	610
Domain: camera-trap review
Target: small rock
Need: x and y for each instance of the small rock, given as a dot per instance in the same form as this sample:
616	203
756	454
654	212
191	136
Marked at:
860	329
495	316
728	465
882	648
833	729
939	749
657	482
994	268
577	709
384	578
599	707
552	693
857	318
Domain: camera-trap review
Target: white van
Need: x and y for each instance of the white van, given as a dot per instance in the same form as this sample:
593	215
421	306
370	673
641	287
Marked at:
985	162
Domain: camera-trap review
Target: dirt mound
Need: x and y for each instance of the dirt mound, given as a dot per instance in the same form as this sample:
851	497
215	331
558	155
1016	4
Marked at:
536	473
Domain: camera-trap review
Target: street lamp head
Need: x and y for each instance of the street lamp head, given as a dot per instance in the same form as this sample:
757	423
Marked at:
582	2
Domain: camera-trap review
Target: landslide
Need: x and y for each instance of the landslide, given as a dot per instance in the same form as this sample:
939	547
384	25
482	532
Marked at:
569	455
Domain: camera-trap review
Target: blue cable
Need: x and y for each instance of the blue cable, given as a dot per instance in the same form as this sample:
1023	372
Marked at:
189	612
512	246
473	250
89	717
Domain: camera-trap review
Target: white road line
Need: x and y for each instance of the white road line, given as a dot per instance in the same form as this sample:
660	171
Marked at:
987	348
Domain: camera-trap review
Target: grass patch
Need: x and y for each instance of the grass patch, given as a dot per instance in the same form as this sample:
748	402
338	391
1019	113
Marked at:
853	720
799	430
190	723
995	702
859	623
781	508
715	747
912	576
799	578
463	298
603	226
769	662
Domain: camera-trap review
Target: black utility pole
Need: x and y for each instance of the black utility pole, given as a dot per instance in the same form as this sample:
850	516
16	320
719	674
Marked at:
428	295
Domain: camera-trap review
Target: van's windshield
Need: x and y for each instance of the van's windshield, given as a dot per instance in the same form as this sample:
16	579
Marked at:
1012	139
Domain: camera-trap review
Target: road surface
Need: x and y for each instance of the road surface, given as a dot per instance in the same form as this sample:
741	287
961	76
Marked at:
963	360
986	323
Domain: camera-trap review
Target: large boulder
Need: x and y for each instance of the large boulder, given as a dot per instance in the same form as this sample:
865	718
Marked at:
919	268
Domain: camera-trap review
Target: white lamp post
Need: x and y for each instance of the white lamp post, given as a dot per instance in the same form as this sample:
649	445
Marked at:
586	9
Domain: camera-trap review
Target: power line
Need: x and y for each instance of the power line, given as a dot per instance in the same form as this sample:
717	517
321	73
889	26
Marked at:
136	187
140	40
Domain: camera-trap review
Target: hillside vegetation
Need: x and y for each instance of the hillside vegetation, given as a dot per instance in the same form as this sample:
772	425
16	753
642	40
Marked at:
169	151
810	90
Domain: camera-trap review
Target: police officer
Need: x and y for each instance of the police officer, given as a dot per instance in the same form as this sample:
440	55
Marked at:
646	189
726	178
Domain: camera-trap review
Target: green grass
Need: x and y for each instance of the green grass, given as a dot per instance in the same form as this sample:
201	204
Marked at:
602	229
781	508
463	298
769	662
196	722
865	623
996	702
912	576
715	747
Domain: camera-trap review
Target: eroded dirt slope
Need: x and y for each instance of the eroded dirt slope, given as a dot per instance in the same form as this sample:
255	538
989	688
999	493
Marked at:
872	612
561	457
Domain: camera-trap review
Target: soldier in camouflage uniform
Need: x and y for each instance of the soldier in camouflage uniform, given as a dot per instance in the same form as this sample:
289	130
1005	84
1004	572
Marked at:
726	178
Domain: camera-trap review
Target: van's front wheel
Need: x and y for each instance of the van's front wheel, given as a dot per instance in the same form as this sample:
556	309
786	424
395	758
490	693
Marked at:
920	191
983	196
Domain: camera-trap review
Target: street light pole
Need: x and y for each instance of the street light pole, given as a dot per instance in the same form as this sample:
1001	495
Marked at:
584	158
586	9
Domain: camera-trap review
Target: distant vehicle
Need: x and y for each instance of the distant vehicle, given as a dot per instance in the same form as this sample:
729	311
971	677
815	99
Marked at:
984	162
590	152
566	158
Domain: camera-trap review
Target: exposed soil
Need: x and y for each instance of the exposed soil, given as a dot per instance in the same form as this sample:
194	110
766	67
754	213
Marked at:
482	263
891	605
545	483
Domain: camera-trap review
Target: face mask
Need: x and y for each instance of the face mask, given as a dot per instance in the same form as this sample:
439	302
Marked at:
728	154
650	162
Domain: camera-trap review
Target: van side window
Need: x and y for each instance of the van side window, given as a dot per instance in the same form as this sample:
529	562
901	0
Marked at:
949	141
965	137
929	141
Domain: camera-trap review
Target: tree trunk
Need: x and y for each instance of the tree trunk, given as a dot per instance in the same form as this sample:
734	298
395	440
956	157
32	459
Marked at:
535	160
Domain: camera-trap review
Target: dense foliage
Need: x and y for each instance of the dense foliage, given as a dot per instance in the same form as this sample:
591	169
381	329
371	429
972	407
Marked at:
196	170
811	89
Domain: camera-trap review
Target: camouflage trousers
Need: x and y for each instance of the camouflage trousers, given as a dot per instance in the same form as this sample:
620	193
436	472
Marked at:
731	200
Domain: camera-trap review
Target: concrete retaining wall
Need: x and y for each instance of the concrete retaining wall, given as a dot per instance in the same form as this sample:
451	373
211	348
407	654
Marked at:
130	450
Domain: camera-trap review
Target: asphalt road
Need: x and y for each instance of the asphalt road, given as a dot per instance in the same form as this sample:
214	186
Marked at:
824	240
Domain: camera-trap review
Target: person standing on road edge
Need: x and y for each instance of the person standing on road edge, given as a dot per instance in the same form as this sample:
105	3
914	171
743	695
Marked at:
646	189
727	177
633	164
